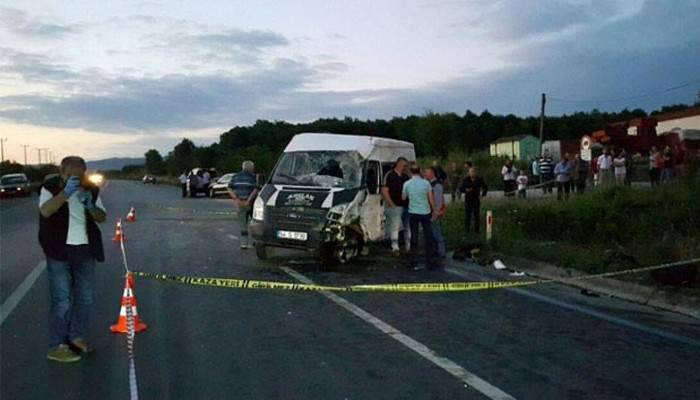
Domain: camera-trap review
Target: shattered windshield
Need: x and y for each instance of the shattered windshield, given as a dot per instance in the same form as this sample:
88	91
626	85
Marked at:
326	169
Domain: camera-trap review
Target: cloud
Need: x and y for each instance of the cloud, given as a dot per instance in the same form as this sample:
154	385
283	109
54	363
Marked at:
627	55
35	68
515	21
168	102
228	46
19	23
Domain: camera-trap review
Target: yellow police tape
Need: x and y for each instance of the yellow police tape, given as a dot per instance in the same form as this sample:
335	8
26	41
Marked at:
233	283
390	287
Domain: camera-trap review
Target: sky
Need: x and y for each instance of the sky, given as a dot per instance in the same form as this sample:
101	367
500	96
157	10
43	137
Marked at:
114	79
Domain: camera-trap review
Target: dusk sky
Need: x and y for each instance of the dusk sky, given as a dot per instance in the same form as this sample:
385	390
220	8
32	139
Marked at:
105	79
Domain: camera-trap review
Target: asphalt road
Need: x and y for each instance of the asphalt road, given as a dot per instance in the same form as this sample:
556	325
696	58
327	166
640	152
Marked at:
546	342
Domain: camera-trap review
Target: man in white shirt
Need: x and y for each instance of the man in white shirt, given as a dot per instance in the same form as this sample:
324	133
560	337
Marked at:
70	208
183	183
605	165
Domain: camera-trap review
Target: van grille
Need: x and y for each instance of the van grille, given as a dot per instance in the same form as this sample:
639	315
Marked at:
295	217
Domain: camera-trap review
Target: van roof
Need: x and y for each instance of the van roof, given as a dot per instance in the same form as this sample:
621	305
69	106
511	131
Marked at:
369	147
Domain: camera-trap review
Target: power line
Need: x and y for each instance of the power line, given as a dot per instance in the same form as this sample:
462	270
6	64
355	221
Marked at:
636	97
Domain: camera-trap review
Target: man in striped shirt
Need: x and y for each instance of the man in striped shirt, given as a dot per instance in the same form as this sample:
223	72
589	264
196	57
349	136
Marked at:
243	189
546	171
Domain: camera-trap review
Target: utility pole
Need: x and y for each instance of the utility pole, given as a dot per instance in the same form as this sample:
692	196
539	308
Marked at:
25	152
544	100
2	149
38	154
46	154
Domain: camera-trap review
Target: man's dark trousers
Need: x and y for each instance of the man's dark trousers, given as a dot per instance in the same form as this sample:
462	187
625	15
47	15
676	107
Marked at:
472	210
424	221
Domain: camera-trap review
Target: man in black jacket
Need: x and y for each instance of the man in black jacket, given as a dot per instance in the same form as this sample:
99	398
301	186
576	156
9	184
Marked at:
474	189
70	208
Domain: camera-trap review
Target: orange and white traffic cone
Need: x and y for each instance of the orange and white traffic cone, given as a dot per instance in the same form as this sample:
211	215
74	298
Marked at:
128	299
131	216
118	232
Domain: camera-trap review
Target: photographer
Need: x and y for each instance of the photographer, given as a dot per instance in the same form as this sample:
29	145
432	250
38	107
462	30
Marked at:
70	208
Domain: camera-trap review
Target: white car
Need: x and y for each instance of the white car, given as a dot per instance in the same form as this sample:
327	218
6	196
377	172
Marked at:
220	186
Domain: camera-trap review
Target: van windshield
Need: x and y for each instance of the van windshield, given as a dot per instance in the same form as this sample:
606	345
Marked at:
326	169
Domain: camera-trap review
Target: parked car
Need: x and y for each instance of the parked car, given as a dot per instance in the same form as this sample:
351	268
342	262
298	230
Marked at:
220	186
325	195
149	179
12	185
197	182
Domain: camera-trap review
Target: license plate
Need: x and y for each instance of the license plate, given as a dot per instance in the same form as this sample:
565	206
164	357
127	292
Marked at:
301	236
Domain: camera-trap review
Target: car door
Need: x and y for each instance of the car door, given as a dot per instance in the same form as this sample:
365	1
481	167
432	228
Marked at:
372	209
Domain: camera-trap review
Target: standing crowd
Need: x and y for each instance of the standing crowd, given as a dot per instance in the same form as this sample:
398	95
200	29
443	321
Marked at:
415	201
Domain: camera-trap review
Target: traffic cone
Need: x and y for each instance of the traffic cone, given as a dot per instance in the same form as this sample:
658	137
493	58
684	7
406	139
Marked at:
131	216
128	298
118	232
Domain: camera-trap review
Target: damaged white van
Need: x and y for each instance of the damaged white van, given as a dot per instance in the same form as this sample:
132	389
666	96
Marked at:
324	195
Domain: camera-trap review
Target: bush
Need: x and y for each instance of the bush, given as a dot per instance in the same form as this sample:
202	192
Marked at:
648	225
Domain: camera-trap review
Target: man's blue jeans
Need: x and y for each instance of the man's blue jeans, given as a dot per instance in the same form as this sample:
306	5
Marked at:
423	221
438	239
72	290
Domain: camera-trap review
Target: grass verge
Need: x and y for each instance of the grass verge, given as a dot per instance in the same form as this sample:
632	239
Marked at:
606	230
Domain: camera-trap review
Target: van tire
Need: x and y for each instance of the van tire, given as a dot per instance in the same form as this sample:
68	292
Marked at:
261	251
329	260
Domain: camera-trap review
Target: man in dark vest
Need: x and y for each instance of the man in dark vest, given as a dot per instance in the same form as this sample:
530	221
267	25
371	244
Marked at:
70	208
474	189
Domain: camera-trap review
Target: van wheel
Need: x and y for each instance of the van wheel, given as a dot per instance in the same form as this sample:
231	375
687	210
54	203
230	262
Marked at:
261	251
329	258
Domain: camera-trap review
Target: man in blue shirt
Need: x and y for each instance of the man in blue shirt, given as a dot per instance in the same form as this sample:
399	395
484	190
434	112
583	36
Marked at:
421	204
563	174
243	189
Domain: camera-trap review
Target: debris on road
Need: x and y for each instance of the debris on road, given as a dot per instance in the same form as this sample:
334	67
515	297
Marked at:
498	264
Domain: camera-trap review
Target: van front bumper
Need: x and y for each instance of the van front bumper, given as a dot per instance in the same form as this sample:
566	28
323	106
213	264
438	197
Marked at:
267	231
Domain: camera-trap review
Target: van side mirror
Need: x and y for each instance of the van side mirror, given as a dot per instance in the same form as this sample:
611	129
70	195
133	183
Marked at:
260	179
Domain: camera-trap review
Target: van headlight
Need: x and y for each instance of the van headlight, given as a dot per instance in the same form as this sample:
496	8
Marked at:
259	209
336	213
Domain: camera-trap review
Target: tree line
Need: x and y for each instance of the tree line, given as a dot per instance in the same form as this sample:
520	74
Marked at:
434	134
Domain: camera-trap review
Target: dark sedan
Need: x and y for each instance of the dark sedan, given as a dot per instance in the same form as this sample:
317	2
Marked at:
12	185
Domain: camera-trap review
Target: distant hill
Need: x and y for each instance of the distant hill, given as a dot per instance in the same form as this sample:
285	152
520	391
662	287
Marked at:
115	164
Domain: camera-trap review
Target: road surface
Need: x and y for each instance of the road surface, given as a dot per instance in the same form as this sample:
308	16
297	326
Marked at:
545	342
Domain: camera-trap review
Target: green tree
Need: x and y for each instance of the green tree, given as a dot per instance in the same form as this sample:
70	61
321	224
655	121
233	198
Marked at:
182	158
10	167
154	162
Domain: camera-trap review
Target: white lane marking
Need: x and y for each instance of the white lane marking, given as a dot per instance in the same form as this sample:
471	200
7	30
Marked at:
232	237
446	364
16	297
593	313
